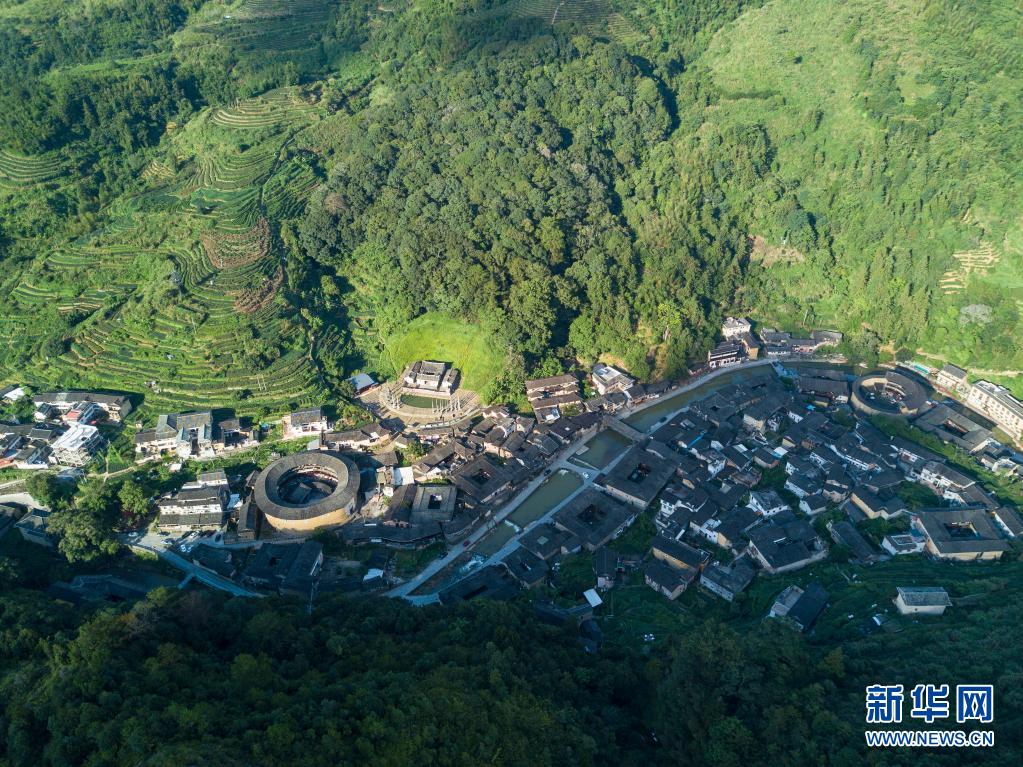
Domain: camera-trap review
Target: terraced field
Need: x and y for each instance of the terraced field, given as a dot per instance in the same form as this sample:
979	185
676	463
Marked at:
980	260
593	16
176	296
18	171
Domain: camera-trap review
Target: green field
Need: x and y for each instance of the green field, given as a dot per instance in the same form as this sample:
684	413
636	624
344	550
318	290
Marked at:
434	336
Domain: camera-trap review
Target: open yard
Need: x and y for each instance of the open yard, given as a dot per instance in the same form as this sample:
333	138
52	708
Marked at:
434	336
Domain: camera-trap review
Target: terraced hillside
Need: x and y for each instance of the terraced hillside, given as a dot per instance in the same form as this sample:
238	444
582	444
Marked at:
179	295
20	171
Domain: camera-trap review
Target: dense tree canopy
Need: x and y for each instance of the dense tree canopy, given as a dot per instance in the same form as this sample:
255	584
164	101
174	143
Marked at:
197	679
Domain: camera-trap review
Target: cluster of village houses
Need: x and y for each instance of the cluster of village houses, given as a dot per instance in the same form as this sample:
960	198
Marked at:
64	431
700	473
740	343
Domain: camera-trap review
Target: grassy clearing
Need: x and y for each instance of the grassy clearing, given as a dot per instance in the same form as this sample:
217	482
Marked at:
434	336
408	563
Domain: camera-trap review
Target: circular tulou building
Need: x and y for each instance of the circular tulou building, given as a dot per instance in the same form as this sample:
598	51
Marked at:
304	492
889	393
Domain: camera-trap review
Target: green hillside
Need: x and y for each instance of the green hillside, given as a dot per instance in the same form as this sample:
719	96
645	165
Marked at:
897	126
237	203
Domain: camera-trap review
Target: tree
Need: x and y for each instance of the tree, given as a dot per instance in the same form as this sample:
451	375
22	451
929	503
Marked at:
134	503
48	490
85	529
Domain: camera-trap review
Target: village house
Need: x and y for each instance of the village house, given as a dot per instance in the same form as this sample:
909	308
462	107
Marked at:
215	478
416	516
12	393
26	446
362	383
431	378
825	389
1008	520
442	461
363	438
954	428
728	528
189	435
786	543
76	446
873	505
214	559
527	568
946	482
802	485
33	528
678	555
607	379
998	404
921	600
899	544
725	353
232	434
812	505
481	479
911	457
952	379
549	542
761	416
837	485
960	534
287	568
734	327
667	580
844	534
114	406
594	518
767	503
799	607
308	422
796	464
605	567
194	508
640	475
728	581
549	396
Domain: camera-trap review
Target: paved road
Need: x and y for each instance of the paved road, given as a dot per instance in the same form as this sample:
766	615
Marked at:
693	384
23	498
513	542
477	535
154	543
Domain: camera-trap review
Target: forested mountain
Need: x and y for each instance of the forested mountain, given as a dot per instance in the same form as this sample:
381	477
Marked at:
238	203
195	679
